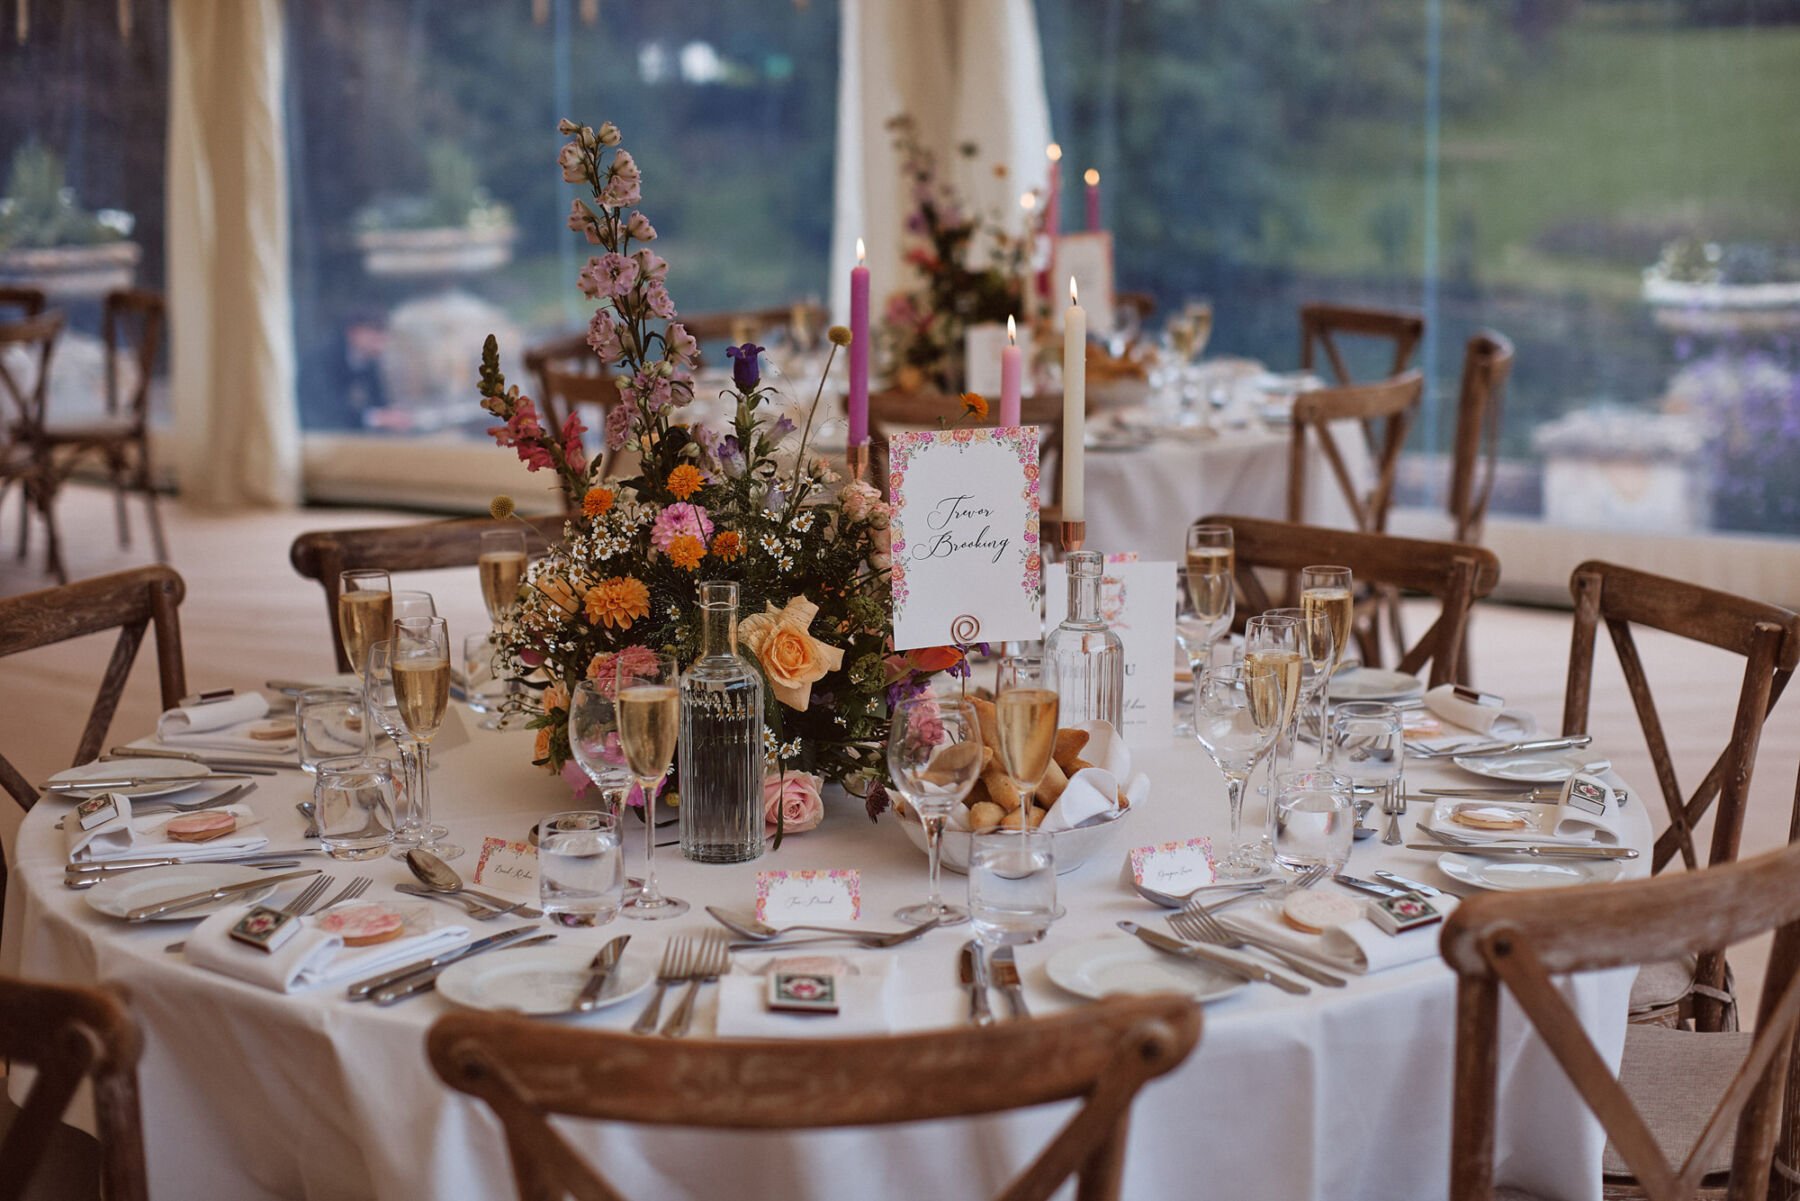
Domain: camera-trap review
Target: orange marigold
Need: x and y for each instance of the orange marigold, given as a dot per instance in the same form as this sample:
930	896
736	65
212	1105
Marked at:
597	502
685	480
686	551
727	545
618	601
975	405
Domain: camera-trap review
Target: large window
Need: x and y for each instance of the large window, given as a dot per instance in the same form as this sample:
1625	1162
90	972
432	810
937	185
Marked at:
428	210
1615	186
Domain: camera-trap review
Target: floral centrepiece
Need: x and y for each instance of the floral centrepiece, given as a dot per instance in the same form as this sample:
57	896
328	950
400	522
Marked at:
745	503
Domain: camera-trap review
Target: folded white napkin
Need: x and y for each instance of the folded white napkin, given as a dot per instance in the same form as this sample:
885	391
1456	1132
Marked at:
312	957
1359	946
862	1005
1583	817
124	837
1493	721
198	719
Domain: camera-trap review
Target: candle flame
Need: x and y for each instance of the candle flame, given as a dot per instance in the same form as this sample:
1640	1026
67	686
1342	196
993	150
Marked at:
1093	177
1012	331
859	252
1074	297
1053	152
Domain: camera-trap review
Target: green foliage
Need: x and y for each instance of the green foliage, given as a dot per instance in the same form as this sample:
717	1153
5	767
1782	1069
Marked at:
39	208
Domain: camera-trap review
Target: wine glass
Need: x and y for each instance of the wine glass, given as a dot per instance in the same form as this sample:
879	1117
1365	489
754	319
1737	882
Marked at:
1026	707
419	662
648	701
1318	646
412	603
379	699
365	608
502	565
1329	590
934	755
594	741
1211	580
1237	714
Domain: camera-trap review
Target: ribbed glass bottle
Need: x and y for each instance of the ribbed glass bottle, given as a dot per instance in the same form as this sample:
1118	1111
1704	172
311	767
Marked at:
721	751
1089	658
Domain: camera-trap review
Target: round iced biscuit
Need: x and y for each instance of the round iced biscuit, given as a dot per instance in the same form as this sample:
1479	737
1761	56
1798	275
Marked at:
1316	912
274	731
1489	817
362	925
200	827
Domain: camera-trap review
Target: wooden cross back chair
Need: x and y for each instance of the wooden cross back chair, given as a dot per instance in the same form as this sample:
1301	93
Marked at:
1322	325
1385	411
566	374
422	546
28	301
1456	574
1101	1055
748	325
1516	943
1487	365
895	409
70	1035
24	452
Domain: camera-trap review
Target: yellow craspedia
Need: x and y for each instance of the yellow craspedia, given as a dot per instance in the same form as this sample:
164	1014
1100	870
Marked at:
501	507
839	334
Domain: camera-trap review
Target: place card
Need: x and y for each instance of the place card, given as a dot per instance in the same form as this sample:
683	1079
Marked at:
966	563
1177	867
809	895
982	345
508	867
1137	599
1089	258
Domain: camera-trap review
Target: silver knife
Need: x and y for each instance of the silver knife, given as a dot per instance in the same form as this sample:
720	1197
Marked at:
426	980
80	882
255	767
1509	748
1006	975
135	782
1409	885
1369	886
112	867
362	988
974	978
200	898
1192	951
1530	851
599	969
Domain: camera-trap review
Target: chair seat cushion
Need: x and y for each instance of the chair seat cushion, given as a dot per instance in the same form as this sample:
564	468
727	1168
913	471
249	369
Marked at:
1676	1078
1659	985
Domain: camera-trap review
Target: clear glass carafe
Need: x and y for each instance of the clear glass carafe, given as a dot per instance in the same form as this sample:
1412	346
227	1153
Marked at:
1089	658
721	746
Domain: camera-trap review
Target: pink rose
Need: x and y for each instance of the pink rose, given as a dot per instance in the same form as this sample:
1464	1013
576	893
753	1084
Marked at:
576	779
792	799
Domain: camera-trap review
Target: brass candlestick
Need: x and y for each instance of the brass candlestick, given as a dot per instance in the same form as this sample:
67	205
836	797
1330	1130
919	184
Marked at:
1071	534
857	457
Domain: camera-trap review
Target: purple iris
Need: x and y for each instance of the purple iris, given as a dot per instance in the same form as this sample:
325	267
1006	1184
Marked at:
744	370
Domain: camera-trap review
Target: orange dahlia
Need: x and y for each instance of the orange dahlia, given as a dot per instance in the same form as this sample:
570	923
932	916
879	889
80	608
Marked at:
597	502
685	480
975	405
618	601
686	551
727	545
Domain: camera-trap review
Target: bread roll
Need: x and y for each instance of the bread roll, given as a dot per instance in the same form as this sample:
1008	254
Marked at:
989	720
985	816
1068	745
1052	786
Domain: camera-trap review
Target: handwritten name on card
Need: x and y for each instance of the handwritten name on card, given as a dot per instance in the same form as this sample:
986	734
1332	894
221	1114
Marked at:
1177	867
508	867
966	562
809	896
1137	600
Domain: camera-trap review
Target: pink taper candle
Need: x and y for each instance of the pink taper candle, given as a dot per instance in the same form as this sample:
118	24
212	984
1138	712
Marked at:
1093	200
859	350
1012	371
1074	448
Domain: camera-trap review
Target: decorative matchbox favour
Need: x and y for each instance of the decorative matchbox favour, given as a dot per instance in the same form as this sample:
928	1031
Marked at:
97	810
265	928
1175	867
803	992
1395	915
809	896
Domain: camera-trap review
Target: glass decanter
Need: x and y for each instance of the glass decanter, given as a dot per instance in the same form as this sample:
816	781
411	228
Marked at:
721	744
1089	658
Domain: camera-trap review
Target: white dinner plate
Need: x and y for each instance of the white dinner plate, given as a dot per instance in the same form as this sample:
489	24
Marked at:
538	981
1374	684
1519	873
1533	767
119	895
178	773
1124	965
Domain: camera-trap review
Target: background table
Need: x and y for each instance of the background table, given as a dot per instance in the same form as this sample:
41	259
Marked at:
1340	1094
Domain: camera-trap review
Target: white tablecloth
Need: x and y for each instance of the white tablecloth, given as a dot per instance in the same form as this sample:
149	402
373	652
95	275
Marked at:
1339	1095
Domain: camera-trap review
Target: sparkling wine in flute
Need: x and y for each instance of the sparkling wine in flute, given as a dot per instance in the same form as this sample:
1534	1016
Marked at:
1338	607
1209	575
501	572
649	716
1027	720
421	693
363	620
1274	693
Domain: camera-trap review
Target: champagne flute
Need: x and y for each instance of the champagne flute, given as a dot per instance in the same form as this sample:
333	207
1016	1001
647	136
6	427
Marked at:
419	662
1236	718
365	609
379	700
1211	578
1318	647
502	566
934	755
594	741
1329	590
413	604
1275	641
1025	706
648	701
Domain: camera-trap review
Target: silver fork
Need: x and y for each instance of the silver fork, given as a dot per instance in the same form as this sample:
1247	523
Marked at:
712	959
303	904
350	892
1394	805
1197	925
673	970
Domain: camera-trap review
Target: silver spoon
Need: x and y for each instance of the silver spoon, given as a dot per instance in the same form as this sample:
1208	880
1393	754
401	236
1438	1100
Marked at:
1175	900
439	876
748	927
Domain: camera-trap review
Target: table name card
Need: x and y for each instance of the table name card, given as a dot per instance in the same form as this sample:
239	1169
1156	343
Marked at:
1137	600
966	564
982	345
809	896
1177	867
1088	258
508	867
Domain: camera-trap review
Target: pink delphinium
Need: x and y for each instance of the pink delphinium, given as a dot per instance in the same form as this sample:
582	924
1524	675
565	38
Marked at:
679	519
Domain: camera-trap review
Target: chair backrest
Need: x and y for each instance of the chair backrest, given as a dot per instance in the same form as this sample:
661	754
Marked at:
129	602
131	322
1385	411
566	355
1455	573
894	409
423	546
26	398
68	1035
1487	364
29	301
1520	940
747	325
1323	325
1103	1054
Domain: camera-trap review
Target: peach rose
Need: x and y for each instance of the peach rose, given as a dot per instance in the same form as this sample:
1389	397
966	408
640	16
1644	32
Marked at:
792	799
794	659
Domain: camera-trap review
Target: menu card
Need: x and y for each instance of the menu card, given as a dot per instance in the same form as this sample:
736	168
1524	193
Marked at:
982	345
1089	259
1136	600
966	565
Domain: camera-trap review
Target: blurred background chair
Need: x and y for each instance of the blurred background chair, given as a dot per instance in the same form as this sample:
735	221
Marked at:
1340	329
25	457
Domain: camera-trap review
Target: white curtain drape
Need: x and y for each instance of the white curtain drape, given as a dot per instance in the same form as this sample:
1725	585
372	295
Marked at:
231	367
965	71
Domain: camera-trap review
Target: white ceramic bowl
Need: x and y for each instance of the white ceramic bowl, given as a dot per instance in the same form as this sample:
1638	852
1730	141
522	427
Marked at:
1069	848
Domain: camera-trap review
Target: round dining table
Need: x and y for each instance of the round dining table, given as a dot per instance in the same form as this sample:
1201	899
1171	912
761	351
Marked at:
1339	1094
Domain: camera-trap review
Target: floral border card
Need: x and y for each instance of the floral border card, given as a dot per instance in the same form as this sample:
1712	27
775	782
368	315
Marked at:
1137	600
809	895
1177	867
508	866
966	563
